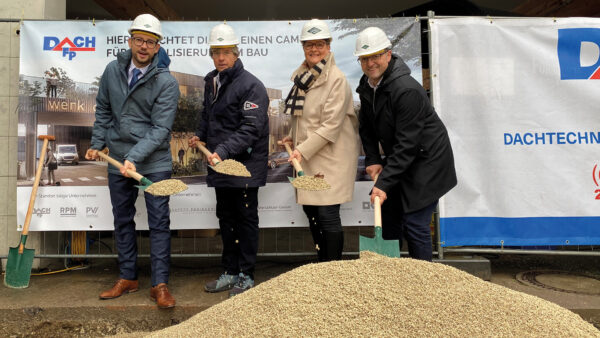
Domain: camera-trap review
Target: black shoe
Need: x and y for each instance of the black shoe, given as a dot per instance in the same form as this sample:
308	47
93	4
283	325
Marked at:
244	283
224	282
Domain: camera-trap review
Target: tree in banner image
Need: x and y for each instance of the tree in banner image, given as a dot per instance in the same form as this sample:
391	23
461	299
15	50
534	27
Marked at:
187	161
29	89
188	107
403	43
65	84
95	85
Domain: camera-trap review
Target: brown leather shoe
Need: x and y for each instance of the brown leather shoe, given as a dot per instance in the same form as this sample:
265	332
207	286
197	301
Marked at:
121	286
160	294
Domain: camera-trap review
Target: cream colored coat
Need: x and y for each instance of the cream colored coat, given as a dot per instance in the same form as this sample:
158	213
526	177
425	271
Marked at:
327	136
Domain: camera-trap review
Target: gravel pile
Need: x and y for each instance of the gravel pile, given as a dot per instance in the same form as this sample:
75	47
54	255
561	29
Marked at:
380	296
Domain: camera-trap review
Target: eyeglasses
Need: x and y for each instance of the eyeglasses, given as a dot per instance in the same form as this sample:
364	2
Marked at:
366	59
221	51
139	42
310	45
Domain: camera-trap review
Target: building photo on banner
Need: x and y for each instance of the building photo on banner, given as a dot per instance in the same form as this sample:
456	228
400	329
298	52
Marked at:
521	105
61	63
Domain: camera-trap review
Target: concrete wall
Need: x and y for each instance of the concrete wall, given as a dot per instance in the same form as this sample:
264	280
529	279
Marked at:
11	10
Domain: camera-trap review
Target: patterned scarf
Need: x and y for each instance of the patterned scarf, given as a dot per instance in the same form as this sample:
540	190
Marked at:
294	103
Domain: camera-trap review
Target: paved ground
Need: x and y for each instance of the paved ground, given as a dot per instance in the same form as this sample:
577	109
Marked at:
86	173
66	304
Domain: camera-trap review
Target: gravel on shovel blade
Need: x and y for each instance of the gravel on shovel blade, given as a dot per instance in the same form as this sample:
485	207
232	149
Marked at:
166	187
310	183
377	296
232	167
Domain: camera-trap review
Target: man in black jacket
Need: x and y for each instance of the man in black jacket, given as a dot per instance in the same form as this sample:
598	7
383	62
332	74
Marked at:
235	125
418	167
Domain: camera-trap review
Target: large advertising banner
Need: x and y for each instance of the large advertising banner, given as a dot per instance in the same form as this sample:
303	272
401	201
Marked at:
60	68
520	102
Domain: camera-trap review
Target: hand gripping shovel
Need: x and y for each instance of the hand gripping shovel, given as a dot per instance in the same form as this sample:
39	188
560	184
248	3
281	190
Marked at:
302	181
162	188
20	260
227	167
377	244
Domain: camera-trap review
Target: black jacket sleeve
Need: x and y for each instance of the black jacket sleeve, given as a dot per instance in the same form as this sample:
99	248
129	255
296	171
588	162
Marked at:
409	110
368	134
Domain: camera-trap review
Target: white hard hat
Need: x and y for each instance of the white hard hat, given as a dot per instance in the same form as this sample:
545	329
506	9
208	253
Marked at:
222	35
146	23
370	41
315	29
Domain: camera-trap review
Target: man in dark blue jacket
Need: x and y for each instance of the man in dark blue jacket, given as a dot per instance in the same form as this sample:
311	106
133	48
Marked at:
418	167
135	108
234	124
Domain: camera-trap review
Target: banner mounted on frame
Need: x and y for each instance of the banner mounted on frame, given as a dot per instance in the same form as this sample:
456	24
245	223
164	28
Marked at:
521	108
60	66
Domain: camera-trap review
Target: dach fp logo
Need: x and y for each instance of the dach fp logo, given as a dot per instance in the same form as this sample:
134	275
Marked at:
68	47
39	212
579	53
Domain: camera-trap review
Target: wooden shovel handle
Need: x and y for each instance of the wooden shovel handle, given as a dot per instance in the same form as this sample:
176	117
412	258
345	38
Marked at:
377	212
294	161
206	152
377	207
119	165
36	183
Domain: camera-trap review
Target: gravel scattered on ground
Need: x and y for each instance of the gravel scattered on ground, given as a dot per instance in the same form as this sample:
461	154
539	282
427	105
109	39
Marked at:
377	296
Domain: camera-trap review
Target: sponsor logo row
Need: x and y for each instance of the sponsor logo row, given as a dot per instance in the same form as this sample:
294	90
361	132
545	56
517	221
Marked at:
66	211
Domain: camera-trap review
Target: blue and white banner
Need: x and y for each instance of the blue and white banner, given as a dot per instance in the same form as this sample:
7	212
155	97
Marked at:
521	104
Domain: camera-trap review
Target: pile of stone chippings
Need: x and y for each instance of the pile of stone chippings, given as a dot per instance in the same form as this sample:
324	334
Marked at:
380	296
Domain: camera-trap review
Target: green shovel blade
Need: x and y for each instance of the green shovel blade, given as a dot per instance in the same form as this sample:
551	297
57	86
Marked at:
144	183
299	173
389	248
18	268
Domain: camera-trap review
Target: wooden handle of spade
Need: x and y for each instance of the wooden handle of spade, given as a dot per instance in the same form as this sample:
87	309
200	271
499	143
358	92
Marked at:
377	208
36	183
206	152
118	164
294	161
377	212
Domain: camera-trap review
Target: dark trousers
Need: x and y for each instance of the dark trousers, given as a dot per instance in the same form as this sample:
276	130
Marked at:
123	195
413	226
237	211
326	229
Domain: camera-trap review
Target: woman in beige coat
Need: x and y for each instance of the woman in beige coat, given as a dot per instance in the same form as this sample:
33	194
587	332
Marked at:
324	135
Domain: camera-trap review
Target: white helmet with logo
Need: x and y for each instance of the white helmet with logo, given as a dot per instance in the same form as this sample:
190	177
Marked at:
370	41
146	23
221	36
315	29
